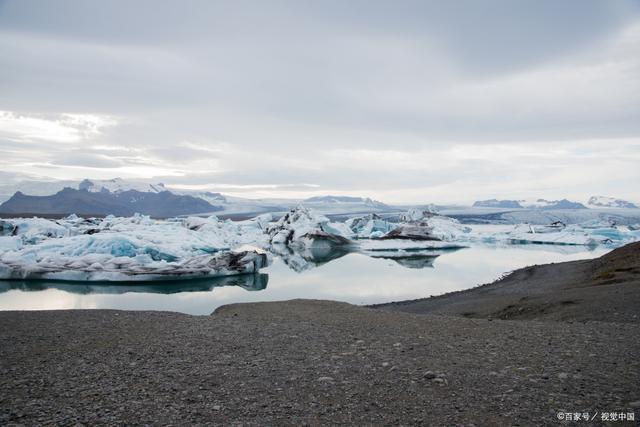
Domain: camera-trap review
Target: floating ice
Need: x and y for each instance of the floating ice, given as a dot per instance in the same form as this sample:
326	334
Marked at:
302	228
369	226
140	248
426	225
125	249
556	233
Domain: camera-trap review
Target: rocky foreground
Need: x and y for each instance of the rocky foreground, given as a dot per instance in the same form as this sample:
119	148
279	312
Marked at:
321	363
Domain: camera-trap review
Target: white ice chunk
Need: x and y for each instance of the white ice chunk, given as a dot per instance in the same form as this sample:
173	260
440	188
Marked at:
302	227
130	248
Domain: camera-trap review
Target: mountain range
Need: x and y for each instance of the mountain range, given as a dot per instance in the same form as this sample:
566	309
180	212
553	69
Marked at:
610	202
122	203
122	197
593	202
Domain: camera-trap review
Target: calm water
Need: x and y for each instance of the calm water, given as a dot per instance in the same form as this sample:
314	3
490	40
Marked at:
353	278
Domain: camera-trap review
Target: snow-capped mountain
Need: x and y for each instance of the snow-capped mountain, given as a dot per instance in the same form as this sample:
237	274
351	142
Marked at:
118	185
48	188
121	203
610	202
494	203
220	203
529	204
551	204
344	200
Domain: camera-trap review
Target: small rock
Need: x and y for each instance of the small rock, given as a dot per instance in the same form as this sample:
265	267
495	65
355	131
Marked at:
429	375
217	407
385	364
325	379
563	375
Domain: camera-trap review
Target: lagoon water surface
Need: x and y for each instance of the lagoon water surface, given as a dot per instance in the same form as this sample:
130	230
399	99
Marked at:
352	277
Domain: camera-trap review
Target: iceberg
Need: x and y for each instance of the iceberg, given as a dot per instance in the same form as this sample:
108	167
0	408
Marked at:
417	231
370	226
426	225
302	228
557	234
129	249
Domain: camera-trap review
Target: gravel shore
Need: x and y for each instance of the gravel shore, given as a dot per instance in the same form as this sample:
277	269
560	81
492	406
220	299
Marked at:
307	362
604	289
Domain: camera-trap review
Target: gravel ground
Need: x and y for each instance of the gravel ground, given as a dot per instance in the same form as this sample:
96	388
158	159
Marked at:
309	363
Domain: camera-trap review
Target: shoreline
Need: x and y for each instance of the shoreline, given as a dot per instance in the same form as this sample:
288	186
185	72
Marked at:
603	289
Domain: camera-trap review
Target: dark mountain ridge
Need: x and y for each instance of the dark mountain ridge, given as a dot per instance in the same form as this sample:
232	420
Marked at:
82	202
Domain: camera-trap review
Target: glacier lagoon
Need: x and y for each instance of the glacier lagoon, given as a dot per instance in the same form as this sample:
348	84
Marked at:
343	276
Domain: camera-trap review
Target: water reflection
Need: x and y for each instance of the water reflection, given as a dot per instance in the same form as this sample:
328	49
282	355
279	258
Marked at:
300	260
249	282
412	261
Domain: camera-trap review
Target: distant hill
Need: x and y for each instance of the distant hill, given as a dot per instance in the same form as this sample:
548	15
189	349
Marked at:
610	202
48	188
345	200
552	204
494	203
211	197
122	203
529	204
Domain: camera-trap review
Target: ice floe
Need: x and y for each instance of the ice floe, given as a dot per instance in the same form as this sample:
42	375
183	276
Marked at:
303	228
557	233
370	226
139	248
129	249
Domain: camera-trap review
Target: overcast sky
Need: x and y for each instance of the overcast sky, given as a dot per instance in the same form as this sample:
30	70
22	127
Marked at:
403	101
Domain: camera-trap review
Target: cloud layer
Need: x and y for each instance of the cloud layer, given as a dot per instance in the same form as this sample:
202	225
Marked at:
410	101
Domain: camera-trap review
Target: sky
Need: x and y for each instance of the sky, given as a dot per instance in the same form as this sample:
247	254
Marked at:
403	101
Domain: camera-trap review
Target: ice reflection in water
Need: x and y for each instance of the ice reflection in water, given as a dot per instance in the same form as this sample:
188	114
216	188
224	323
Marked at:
249	282
300	260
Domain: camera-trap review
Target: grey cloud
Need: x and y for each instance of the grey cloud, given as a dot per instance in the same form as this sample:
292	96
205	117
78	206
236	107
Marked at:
86	160
269	88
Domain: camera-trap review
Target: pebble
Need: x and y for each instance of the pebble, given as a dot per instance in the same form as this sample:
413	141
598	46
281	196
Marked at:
429	375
